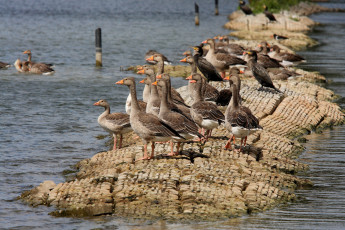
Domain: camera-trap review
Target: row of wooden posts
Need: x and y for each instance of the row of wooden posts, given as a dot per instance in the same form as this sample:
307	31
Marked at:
98	33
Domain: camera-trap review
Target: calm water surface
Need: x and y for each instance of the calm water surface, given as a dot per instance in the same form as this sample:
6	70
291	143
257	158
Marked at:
48	123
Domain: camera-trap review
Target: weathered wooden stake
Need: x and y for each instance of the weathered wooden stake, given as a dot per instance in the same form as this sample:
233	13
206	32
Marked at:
98	47
197	22
216	11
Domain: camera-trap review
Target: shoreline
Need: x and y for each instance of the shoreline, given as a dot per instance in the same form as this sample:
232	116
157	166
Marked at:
179	188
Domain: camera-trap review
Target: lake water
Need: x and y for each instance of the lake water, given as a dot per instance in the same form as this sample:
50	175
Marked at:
48	123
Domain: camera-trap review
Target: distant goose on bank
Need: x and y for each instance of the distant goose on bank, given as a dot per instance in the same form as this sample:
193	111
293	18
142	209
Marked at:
239	120
185	127
205	67
245	8
114	123
259	72
147	126
269	15
220	60
154	101
205	114
287	57
231	48
263	58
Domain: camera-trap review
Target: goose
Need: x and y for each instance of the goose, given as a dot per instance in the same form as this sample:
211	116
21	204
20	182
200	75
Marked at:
239	120
38	67
259	72
185	127
153	62
245	8
209	92
160	64
269	15
205	67
265	60
231	48
21	67
154	101
287	57
4	65
205	114
220	60
114	123
147	126
177	107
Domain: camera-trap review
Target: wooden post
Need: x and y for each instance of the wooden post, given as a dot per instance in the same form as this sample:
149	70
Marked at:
197	22
98	47
216	11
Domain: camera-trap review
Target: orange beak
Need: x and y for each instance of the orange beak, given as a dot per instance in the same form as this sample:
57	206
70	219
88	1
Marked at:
96	103
150	58
189	77
142	81
154	83
142	71
241	71
192	81
259	45
268	45
204	42
25	52
183	60
227	78
140	68
159	76
185	53
119	82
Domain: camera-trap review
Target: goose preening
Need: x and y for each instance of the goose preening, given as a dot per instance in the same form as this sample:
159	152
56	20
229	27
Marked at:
114	123
147	126
205	67
205	114
239	120
21	67
221	60
245	8
269	15
184	126
259	72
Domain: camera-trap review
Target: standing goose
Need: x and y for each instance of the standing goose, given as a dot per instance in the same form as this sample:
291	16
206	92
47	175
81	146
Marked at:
205	114
239	120
245	8
208	92
221	61
154	101
185	127
160	64
259	72
147	126
205	67
265	60
153	62
114	123
269	15
231	48
177	107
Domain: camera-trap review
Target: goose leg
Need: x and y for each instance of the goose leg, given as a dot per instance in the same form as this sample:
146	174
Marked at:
120	144
145	153
228	144
153	150
115	141
172	153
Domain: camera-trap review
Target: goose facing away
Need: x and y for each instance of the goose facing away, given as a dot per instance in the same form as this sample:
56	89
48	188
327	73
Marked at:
205	114
147	126
239	120
114	123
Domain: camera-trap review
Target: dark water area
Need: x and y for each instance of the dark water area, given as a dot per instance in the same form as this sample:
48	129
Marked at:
48	123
